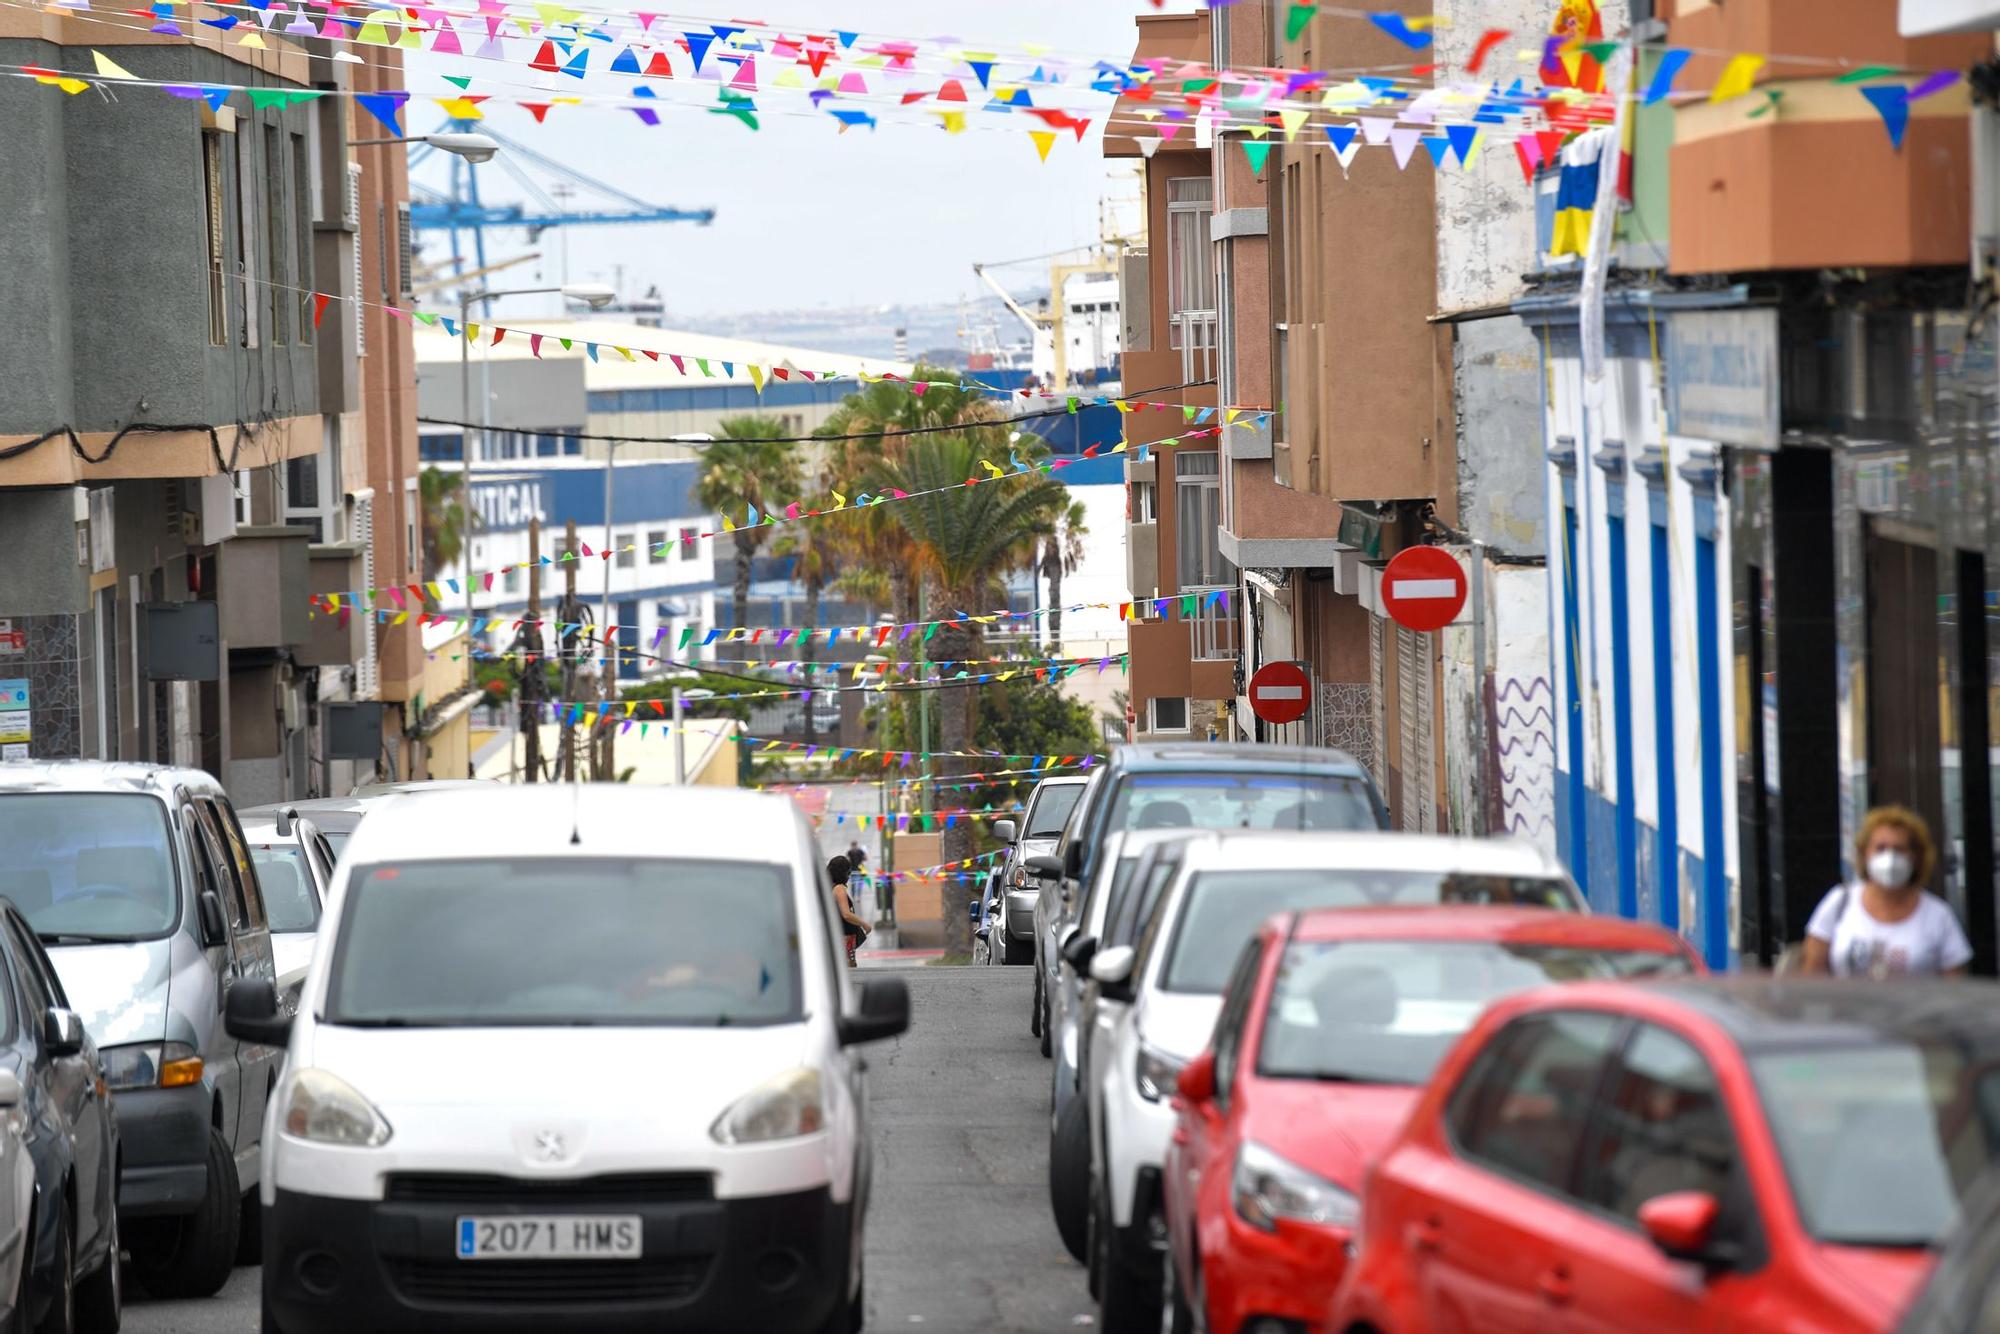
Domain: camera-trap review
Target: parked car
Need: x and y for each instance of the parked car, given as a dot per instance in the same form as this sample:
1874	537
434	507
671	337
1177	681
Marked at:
1962	1295
1034	835
625	1096
1744	1153
294	866
334	819
1112	911
139	881
1170	983
1331	1024
1182	786
59	1153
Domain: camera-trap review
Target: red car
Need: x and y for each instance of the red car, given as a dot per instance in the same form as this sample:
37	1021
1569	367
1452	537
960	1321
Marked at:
1713	1154
1333	1022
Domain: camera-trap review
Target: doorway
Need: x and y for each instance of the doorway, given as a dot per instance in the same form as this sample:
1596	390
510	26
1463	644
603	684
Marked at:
1903	677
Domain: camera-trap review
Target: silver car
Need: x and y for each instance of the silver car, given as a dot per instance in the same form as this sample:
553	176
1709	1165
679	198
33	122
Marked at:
294	866
138	880
1040	825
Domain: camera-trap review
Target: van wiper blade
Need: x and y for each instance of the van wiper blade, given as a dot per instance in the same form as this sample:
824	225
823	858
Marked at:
78	938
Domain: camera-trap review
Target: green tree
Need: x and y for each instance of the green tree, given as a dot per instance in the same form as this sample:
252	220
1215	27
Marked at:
442	496
963	540
814	562
747	468
1061	553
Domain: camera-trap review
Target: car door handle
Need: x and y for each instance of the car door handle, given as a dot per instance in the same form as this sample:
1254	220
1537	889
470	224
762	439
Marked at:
1427	1233
1555	1285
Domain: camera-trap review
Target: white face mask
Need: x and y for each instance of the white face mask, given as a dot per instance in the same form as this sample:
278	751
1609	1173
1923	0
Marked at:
1890	868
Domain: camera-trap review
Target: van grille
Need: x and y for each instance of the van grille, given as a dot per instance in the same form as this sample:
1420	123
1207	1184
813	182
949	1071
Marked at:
467	1188
570	1282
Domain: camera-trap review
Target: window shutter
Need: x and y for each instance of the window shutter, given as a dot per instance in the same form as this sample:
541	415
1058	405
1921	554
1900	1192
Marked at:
350	213
367	676
405	252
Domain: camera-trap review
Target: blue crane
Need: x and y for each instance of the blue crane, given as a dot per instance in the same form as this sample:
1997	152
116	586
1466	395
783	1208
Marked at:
461	209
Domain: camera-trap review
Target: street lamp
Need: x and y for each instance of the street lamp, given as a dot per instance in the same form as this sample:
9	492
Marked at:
595	295
471	147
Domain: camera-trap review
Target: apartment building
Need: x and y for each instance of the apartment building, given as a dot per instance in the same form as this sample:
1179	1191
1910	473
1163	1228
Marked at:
179	453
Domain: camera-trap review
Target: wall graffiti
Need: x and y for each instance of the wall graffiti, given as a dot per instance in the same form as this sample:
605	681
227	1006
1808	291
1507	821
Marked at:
1522	724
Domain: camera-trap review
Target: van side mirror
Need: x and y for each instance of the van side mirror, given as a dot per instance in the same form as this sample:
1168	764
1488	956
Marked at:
1004	830
1112	968
214	927
62	1032
251	1014
1045	866
882	1010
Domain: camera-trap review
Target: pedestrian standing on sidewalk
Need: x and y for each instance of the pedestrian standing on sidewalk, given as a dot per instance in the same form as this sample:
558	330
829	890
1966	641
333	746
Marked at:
1887	924
856	930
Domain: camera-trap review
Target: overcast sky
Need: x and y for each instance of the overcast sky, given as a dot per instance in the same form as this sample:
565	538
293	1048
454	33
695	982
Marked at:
806	216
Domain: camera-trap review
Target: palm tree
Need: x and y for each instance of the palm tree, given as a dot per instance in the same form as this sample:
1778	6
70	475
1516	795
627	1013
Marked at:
747	469
1061	553
441	494
963	540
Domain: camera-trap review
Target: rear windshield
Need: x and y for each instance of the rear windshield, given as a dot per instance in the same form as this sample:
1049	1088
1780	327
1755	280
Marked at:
338	842
1052	808
1881	1141
1223	908
1386	1011
88	866
1282	800
287	882
567	941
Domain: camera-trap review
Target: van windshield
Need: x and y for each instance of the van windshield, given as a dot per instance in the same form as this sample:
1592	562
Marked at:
566	941
1052	810
88	866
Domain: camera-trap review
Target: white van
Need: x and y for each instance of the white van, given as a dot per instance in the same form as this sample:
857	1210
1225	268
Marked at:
571	1057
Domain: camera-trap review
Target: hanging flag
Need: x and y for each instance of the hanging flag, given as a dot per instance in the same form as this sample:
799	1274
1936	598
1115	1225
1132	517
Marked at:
1663	77
1892	100
1564	63
1737	77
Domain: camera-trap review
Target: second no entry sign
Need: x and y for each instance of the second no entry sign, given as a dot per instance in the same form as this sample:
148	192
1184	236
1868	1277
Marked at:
1423	588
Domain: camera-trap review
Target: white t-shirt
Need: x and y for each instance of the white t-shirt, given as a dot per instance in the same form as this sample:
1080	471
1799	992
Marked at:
1928	941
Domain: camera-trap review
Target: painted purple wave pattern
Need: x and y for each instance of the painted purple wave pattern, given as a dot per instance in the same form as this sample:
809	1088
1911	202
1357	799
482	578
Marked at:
1523	731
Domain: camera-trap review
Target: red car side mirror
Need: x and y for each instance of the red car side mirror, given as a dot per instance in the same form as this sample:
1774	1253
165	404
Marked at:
1680	1222
1197	1079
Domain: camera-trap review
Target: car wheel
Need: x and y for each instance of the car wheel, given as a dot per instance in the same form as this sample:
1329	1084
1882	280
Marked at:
191	1256
267	1319
60	1318
1042	1008
1069	1177
1035	1013
1176	1316
100	1299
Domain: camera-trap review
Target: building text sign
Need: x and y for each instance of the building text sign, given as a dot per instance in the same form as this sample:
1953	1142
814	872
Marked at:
1722	376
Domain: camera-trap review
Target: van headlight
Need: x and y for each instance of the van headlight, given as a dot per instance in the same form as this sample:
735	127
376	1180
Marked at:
1267	1188
145	1065
786	1107
1157	1073
322	1108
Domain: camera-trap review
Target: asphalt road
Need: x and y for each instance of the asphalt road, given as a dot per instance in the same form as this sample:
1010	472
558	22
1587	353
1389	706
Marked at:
959	1235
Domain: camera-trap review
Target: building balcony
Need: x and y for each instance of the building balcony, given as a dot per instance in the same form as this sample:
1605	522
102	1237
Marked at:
1212	628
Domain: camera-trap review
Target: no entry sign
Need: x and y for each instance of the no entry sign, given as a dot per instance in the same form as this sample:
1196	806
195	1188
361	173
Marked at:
1280	692
1423	588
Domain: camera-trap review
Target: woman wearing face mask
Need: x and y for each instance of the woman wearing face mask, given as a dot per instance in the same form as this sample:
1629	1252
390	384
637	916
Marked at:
1887	925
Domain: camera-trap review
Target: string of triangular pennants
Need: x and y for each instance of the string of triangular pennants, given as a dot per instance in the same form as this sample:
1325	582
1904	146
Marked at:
877	634
604	713
1045	674
959	782
901	820
789	666
941	871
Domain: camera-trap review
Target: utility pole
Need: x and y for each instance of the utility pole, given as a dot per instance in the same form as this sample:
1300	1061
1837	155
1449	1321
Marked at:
531	671
602	752
569	674
680	744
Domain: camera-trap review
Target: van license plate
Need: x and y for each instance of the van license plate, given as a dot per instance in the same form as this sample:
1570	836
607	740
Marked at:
550	1237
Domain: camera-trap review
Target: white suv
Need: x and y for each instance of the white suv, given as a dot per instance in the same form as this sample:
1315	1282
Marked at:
1161	995
571	1058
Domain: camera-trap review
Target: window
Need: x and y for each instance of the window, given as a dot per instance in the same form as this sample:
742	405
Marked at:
218	254
302	218
656	546
88	863
413	518
704	944
1050	810
1524	1106
278	297
286	880
1198	521
623	554
689	536
1190	267
1130	910
1662	1129
1228	1040
1145	502
1167	714
248	266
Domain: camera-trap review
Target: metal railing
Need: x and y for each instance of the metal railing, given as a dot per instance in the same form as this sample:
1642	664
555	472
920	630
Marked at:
1196	334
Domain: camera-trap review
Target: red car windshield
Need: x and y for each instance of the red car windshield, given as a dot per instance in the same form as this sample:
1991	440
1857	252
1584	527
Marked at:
1881	1141
1386	1011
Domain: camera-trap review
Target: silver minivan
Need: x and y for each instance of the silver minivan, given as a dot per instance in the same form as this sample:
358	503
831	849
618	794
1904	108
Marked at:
142	888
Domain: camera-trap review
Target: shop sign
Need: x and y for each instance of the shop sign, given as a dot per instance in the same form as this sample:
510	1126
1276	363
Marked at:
1722	376
13	640
15	729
